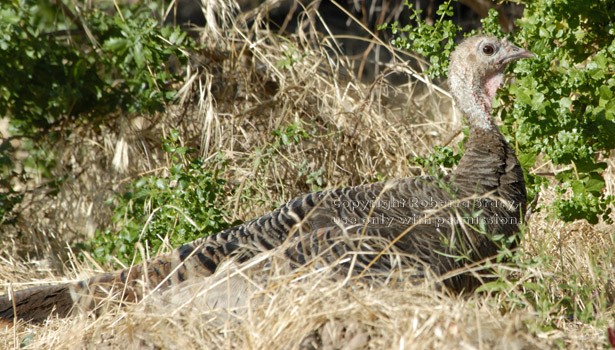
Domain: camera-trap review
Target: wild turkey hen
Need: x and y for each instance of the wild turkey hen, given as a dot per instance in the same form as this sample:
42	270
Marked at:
441	224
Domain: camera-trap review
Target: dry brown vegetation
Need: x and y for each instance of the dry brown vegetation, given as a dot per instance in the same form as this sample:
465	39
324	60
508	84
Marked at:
234	95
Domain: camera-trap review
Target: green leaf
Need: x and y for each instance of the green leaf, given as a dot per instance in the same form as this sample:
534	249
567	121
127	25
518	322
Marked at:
527	160
532	286
565	102
523	97
595	184
115	44
137	52
494	286
606	95
161	184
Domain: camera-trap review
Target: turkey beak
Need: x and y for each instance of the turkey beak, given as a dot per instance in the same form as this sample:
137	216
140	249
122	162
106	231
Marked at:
514	53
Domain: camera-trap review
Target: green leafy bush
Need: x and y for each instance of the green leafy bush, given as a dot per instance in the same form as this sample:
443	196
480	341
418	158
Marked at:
440	157
433	41
562	106
48	76
59	69
175	209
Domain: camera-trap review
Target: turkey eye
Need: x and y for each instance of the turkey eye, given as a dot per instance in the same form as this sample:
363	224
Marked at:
488	50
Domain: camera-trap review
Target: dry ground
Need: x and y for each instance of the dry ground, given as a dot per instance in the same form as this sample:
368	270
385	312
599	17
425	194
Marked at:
235	94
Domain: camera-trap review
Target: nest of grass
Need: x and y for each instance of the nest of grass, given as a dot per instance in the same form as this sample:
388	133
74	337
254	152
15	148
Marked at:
246	84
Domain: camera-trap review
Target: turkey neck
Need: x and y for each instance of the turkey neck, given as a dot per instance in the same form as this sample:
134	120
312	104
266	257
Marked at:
488	157
489	163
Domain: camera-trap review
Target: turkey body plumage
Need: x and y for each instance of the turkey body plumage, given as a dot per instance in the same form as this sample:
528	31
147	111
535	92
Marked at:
441	224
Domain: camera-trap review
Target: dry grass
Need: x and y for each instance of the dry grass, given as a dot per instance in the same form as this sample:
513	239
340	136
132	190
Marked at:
234	95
